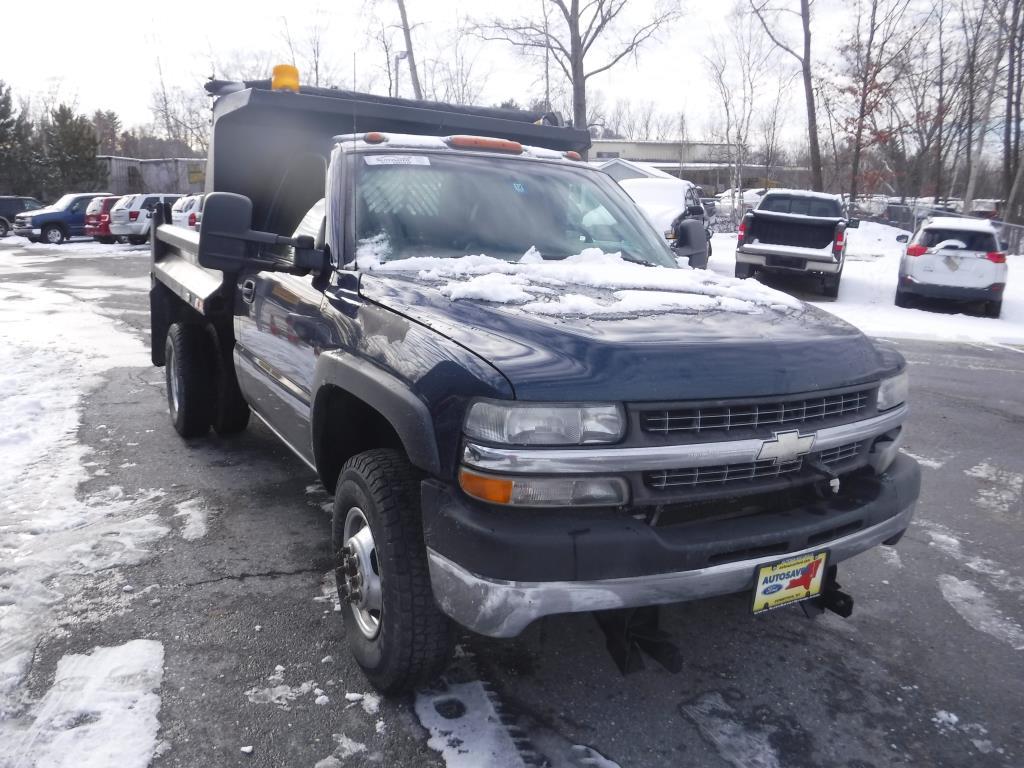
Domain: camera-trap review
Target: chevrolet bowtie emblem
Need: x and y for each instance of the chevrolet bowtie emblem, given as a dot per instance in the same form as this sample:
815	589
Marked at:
785	446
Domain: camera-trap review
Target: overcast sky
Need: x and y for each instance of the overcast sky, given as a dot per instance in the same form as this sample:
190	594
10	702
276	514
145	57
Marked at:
104	56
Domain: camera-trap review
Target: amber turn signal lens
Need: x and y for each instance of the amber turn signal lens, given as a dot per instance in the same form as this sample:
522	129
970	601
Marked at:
483	142
496	490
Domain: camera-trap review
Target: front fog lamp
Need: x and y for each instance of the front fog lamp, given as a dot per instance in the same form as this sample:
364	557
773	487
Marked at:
512	423
893	391
545	491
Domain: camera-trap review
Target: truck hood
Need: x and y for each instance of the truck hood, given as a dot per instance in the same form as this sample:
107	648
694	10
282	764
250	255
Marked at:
639	353
48	210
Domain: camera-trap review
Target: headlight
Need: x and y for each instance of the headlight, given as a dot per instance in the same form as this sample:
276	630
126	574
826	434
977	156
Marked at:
893	391
512	423
521	491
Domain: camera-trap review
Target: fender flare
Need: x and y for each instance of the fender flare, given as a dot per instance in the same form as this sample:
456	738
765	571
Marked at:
386	393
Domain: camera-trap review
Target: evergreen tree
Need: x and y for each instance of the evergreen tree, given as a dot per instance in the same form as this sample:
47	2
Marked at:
108	129
7	125
70	146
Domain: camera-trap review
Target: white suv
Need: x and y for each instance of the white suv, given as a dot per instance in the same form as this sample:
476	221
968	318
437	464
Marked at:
130	216
952	258
188	212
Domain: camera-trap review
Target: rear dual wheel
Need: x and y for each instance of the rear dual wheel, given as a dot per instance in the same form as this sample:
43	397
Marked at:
202	390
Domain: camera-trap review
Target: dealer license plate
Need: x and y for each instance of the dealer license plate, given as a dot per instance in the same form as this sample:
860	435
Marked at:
789	581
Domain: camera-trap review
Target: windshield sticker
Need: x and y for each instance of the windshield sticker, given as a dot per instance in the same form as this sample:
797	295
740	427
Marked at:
519	187
397	160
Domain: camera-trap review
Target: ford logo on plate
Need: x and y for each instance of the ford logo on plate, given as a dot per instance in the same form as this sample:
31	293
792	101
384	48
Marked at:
771	589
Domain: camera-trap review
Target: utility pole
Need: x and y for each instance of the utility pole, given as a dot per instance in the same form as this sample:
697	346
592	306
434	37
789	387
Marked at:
398	57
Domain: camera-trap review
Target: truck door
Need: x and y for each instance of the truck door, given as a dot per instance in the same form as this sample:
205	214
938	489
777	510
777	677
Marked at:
279	333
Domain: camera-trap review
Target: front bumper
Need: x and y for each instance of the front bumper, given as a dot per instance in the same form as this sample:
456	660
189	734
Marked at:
27	231
496	571
992	292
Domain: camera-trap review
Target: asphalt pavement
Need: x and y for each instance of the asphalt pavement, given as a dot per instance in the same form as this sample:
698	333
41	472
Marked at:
929	670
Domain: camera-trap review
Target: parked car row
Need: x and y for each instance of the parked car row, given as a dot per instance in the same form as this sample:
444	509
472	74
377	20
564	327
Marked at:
102	216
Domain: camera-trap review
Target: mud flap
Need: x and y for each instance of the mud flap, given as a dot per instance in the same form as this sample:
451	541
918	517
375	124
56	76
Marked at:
631	632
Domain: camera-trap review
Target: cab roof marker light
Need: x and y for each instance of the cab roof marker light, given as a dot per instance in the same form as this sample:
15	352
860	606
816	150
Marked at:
484	142
572	154
374	137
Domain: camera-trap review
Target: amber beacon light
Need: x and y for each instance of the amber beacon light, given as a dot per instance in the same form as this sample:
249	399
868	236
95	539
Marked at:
285	78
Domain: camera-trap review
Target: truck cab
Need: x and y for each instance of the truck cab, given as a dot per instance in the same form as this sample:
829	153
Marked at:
523	403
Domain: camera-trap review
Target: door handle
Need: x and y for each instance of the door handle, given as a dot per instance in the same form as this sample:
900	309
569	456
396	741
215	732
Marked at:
248	289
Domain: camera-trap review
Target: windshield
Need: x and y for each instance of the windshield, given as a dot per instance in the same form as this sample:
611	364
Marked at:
65	201
450	206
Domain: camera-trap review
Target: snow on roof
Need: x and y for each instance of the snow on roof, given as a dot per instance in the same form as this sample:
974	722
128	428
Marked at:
804	193
647	169
956	222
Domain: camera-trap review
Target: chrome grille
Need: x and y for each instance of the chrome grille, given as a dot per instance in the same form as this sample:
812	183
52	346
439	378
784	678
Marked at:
840	453
729	474
752	416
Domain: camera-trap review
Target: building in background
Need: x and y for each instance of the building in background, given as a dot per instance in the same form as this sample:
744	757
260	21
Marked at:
704	163
126	175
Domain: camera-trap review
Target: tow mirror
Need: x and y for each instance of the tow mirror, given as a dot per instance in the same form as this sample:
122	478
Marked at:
227	241
853	223
227	219
902	238
695	210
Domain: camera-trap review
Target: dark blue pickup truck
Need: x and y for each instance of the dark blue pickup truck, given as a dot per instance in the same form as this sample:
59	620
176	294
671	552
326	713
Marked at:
522	403
58	222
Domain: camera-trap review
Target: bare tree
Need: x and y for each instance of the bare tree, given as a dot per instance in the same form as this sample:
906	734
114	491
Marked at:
570	34
410	57
769	124
975	31
453	74
765	12
736	64
874	44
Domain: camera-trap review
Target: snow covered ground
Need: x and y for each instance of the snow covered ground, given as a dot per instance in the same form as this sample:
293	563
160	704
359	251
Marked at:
868	288
55	346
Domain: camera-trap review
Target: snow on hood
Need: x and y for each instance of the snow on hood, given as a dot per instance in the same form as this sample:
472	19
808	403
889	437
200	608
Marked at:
557	287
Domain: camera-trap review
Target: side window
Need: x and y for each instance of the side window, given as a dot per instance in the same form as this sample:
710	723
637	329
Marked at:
149	202
691	197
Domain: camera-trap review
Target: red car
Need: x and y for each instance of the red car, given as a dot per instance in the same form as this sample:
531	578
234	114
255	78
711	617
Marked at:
97	219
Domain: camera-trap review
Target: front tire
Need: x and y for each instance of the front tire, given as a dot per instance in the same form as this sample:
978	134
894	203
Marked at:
394	628
53	235
190	391
5	228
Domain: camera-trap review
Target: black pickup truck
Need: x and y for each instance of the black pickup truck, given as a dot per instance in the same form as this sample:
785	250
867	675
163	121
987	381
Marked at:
522	404
795	231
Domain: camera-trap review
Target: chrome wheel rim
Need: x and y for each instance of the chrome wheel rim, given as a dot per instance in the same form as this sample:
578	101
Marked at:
358	574
53	236
173	383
